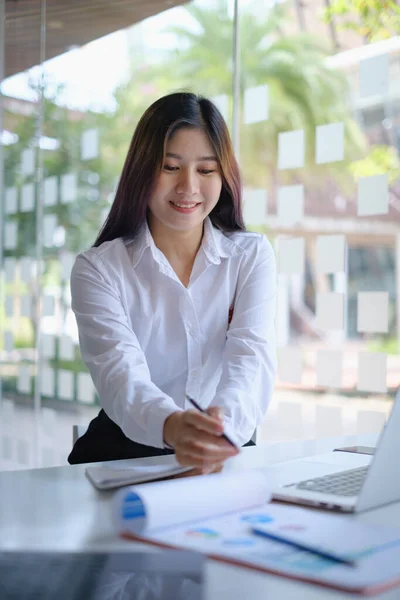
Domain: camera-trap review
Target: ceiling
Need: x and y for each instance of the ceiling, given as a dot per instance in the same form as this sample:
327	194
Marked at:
68	23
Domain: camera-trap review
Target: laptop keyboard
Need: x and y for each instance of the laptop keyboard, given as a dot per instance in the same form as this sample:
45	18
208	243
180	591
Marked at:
345	483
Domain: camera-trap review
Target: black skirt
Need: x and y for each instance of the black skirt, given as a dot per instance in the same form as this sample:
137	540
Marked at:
104	440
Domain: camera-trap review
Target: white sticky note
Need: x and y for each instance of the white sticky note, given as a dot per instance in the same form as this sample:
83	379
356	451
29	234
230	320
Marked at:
49	227
255	206
329	145
66	348
50	191
290	209
8	341
374	76
329	368
11	201
329	314
221	102
10	235
28	161
10	265
28	197
47	382
290	364
69	188
330	253
90	144
291	255
371	372
373	195
24	380
67	261
86	388
9	306
26	306
256	104
48	345
48	306
372	312
65	384
26	269
291	149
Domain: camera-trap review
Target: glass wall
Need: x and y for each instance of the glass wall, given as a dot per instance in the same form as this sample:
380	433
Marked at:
318	145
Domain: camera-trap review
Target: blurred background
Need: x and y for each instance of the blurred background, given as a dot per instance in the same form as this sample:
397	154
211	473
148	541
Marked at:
310	90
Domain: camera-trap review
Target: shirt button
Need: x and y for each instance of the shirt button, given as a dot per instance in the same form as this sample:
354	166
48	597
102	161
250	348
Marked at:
192	333
195	373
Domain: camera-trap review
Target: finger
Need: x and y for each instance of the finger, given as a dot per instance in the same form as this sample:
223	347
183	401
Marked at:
202	454
203	422
217	412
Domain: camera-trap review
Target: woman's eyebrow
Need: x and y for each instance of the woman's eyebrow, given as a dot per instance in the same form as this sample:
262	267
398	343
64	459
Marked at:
179	157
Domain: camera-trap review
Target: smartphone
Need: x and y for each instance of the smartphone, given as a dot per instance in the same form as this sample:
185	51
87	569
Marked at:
357	449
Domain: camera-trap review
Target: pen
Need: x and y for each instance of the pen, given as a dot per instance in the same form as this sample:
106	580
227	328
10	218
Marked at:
304	546
204	411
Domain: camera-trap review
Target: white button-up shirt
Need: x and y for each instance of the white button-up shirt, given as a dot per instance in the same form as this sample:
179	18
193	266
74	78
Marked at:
148	341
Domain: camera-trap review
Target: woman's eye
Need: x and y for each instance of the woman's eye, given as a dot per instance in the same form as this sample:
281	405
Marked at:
207	171
170	168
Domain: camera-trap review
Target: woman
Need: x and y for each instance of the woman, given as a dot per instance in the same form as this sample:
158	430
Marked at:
176	299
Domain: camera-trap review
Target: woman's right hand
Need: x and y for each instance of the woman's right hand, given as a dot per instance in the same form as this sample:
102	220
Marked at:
196	439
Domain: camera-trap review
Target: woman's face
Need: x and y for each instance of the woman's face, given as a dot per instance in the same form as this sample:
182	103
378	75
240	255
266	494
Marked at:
190	182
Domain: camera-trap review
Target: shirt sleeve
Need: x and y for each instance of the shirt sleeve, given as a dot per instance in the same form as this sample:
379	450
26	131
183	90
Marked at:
249	359
112	353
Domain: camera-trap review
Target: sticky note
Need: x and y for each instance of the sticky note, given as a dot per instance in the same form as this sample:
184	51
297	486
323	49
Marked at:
255	206
291	255
28	161
65	384
329	368
221	102
373	195
48	306
329	146
47	382
330	253
90	144
24	380
372	312
10	269
371	372
67	260
10	235
26	306
26	269
66	348
329	312
374	76
50	191
290	364
86	388
291	149
48	345
69	188
28	197
256	104
49	227
290	209
8	341
11	201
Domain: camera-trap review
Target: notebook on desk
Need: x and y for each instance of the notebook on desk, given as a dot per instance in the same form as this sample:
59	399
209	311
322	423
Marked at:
111	476
218	515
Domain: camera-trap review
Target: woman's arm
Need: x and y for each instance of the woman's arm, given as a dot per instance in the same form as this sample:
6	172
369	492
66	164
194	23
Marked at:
112	353
249	360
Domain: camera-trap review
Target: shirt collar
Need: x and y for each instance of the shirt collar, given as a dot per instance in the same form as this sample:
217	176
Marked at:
215	244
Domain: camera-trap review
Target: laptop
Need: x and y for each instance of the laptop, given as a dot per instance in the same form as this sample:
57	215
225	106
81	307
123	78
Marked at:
362	487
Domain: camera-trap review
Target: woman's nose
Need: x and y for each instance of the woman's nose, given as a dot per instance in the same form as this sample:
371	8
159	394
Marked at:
187	183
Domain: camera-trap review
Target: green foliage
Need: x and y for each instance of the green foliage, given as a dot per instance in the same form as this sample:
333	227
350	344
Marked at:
372	19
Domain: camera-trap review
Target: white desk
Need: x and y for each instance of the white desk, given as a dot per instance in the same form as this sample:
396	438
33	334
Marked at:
57	508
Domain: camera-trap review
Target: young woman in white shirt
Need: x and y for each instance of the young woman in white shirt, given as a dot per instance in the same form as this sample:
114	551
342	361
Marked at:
175	299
